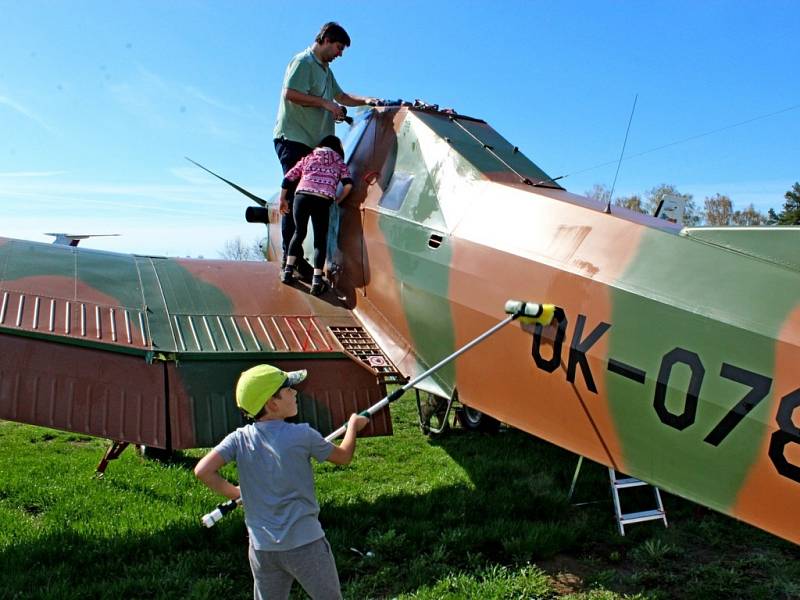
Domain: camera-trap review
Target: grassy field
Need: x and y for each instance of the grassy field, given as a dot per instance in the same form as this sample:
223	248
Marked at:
459	516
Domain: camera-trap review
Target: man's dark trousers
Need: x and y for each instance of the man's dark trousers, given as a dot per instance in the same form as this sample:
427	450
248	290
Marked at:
289	153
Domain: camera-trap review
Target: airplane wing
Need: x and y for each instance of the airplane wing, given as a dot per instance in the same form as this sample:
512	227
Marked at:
148	349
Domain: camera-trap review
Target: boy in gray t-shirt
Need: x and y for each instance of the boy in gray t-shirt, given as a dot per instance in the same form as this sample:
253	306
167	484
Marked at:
276	484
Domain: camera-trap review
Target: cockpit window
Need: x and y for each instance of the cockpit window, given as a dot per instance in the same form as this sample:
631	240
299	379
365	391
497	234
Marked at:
356	130
394	195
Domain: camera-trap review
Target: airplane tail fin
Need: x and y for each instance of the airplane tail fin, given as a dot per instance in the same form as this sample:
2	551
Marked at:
671	208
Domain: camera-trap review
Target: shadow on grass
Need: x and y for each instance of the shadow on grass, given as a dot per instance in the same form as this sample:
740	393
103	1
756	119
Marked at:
175	562
510	510
516	512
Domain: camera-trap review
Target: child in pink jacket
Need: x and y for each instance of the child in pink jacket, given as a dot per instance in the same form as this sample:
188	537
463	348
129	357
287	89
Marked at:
319	173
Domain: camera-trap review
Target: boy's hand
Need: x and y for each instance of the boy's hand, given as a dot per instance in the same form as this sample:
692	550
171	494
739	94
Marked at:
284	207
357	422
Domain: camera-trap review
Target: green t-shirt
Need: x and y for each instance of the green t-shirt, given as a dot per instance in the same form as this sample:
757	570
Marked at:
306	124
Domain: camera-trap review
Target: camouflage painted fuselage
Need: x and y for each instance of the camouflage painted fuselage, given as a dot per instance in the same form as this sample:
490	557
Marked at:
677	360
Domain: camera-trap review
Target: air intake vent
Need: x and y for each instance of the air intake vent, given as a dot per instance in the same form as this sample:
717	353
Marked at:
434	241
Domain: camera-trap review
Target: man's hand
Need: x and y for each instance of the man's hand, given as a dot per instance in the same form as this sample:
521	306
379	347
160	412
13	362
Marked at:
336	110
284	207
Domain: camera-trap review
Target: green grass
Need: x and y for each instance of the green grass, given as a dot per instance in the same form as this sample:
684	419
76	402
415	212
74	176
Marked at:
459	516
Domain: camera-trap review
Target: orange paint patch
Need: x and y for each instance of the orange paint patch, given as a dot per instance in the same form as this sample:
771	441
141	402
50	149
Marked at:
57	286
74	308
381	309
578	262
251	287
768	499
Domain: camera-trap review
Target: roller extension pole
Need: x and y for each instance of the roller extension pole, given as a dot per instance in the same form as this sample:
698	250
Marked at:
529	311
223	509
526	312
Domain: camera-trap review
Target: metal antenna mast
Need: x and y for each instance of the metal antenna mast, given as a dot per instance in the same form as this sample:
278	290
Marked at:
621	154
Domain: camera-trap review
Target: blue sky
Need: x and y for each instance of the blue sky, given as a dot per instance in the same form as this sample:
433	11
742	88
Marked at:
100	101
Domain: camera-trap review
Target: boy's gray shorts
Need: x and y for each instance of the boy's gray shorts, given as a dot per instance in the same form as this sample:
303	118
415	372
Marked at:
312	565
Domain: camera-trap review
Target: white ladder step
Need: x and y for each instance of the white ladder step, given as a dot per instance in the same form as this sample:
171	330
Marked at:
639	517
628	482
623	519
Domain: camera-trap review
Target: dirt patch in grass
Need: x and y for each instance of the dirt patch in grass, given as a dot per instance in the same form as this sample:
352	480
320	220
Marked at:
32	510
80	440
566	572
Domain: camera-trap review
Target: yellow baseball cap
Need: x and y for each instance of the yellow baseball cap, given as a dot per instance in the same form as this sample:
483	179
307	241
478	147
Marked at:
258	384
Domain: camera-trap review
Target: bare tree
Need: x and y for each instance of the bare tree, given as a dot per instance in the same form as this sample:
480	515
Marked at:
599	192
749	217
633	202
236	249
718	210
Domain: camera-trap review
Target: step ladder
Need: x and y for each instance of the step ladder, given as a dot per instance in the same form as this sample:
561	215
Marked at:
623	519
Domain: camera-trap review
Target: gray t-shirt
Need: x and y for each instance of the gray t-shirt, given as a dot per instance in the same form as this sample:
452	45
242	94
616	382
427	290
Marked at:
276	480
306	124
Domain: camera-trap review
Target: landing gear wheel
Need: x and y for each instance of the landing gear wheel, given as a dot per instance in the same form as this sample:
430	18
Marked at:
432	411
474	420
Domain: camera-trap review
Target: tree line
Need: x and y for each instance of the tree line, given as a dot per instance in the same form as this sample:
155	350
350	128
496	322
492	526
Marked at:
717	210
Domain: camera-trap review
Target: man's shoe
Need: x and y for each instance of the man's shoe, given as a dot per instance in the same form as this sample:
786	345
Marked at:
287	275
318	285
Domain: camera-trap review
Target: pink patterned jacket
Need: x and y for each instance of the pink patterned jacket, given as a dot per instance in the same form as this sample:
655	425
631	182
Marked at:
319	173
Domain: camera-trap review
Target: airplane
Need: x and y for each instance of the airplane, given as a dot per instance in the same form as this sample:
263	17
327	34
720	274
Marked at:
673	359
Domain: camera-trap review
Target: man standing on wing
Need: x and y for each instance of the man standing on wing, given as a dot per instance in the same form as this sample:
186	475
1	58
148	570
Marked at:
310	104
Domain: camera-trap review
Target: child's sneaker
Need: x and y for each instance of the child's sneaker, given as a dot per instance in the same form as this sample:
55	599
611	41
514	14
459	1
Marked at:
318	285
287	276
304	269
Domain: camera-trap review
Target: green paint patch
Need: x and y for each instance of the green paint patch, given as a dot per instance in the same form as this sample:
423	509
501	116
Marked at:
423	279
422	271
112	275
716	354
186	294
